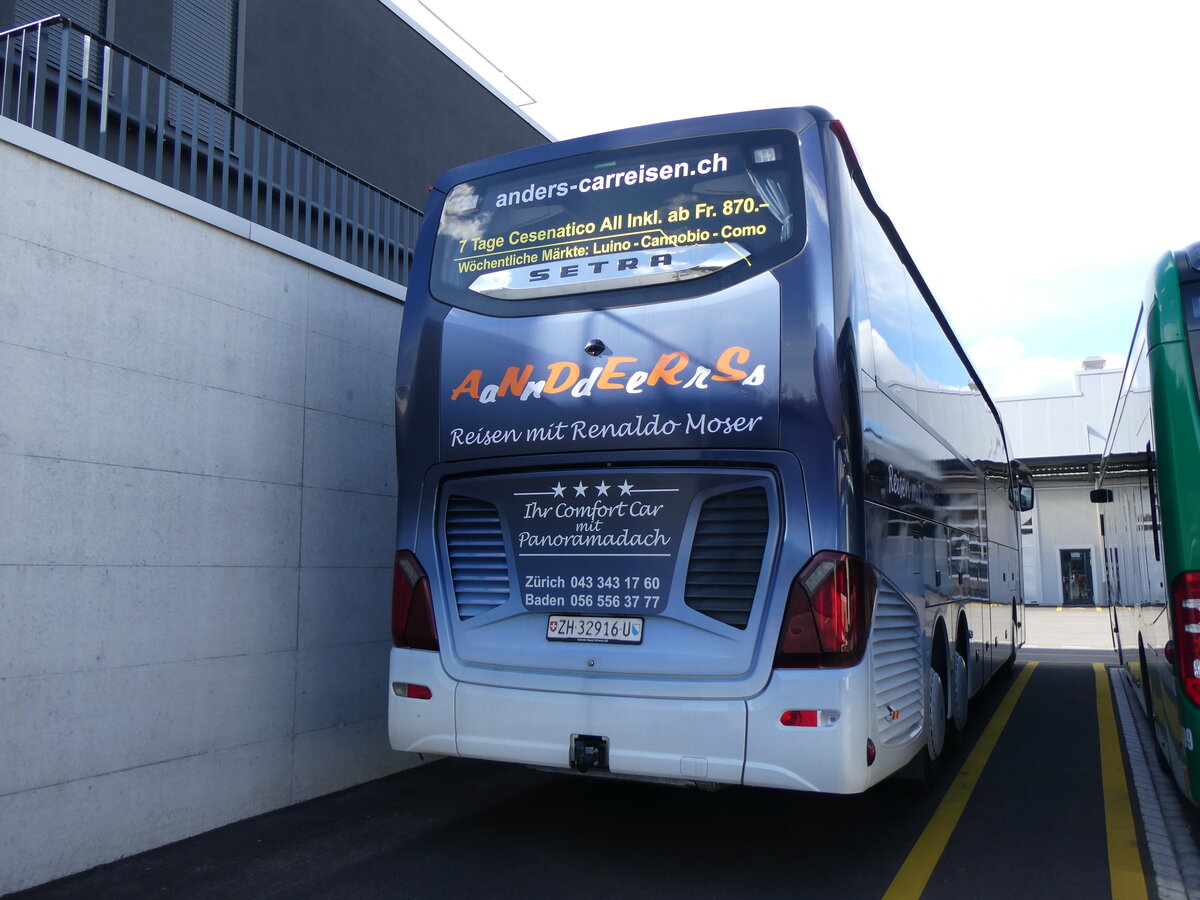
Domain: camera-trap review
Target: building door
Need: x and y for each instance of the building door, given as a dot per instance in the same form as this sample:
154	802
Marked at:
1077	588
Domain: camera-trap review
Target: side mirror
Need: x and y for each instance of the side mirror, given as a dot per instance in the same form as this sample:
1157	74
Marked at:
1101	495
1021	486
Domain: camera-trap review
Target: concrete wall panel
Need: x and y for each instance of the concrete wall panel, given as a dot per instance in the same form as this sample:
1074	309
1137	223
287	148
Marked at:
358	693
86	514
116	319
346	529
346	454
343	606
67	827
326	759
87	412
74	619
349	379
81	724
196	453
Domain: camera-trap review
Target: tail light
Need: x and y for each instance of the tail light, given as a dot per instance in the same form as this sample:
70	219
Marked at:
1185	606
412	605
828	616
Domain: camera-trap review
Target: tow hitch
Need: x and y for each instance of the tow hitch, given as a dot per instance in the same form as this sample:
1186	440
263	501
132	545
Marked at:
588	751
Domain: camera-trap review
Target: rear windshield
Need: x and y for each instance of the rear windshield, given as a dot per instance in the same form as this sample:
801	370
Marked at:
652	214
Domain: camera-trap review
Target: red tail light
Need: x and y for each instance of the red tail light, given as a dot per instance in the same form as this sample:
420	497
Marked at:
1185	606
828	616
412	605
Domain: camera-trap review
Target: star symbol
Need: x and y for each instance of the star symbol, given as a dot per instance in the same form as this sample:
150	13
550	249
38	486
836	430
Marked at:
602	489
558	489
580	489
626	487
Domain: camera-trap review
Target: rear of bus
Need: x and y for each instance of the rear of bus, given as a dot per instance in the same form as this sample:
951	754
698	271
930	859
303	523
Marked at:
626	425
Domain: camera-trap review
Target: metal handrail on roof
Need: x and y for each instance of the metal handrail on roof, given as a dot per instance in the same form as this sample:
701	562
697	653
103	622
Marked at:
71	84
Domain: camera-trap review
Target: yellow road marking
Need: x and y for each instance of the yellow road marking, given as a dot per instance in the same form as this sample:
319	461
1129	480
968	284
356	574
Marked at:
910	881
1125	874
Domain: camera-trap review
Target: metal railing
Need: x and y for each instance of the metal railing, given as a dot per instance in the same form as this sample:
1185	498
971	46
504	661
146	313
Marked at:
66	82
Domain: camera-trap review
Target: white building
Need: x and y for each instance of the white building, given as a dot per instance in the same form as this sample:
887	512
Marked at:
1061	439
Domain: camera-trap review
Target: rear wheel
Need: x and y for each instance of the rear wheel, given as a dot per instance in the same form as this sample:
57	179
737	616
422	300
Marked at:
921	770
936	740
1145	679
960	692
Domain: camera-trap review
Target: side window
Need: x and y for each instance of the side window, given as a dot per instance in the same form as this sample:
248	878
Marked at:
915	361
946	397
886	284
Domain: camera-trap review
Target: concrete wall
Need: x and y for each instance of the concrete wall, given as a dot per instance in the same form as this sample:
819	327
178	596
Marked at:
197	507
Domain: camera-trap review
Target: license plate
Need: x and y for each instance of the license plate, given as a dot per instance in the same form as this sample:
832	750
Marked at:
595	629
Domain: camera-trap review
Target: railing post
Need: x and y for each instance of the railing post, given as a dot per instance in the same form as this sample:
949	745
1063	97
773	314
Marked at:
60	110
36	115
123	116
143	101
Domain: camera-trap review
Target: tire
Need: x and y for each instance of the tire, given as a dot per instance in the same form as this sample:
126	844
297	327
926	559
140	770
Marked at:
935	742
921	771
1147	698
960	693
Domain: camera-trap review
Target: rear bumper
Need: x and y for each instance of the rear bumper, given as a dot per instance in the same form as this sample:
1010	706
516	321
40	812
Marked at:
722	741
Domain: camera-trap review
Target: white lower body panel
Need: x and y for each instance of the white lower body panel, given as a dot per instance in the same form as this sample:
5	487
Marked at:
722	741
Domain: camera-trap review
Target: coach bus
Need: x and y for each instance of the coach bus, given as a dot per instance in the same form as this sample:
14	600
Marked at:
1149	484
696	484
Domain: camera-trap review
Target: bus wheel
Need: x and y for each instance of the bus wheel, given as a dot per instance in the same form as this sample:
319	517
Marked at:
921	771
1147	698
960	692
936	740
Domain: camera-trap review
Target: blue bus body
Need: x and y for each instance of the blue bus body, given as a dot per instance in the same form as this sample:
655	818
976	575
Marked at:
695	484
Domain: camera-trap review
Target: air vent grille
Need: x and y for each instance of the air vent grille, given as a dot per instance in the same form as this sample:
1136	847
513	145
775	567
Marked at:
478	557
897	668
727	555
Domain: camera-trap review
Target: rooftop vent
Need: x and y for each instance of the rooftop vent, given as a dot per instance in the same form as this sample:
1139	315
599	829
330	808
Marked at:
1093	362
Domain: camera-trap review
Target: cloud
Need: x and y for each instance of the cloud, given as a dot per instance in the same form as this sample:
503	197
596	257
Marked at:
1008	370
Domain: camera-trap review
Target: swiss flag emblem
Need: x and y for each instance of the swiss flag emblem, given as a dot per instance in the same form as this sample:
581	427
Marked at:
553	626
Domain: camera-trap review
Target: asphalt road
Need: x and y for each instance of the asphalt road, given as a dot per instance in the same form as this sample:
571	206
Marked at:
1032	824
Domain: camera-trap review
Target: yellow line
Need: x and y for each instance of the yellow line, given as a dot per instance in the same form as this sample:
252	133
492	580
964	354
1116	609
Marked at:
1124	860
910	881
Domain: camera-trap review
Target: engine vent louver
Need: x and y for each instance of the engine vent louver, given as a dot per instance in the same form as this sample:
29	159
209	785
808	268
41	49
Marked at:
478	557
727	555
897	667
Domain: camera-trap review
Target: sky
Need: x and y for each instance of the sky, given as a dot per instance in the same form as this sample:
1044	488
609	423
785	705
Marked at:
1037	157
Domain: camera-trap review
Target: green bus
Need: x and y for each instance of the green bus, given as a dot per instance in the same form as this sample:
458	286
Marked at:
1149	483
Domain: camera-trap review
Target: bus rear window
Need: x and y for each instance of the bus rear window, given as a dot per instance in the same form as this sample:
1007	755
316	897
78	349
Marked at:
652	214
